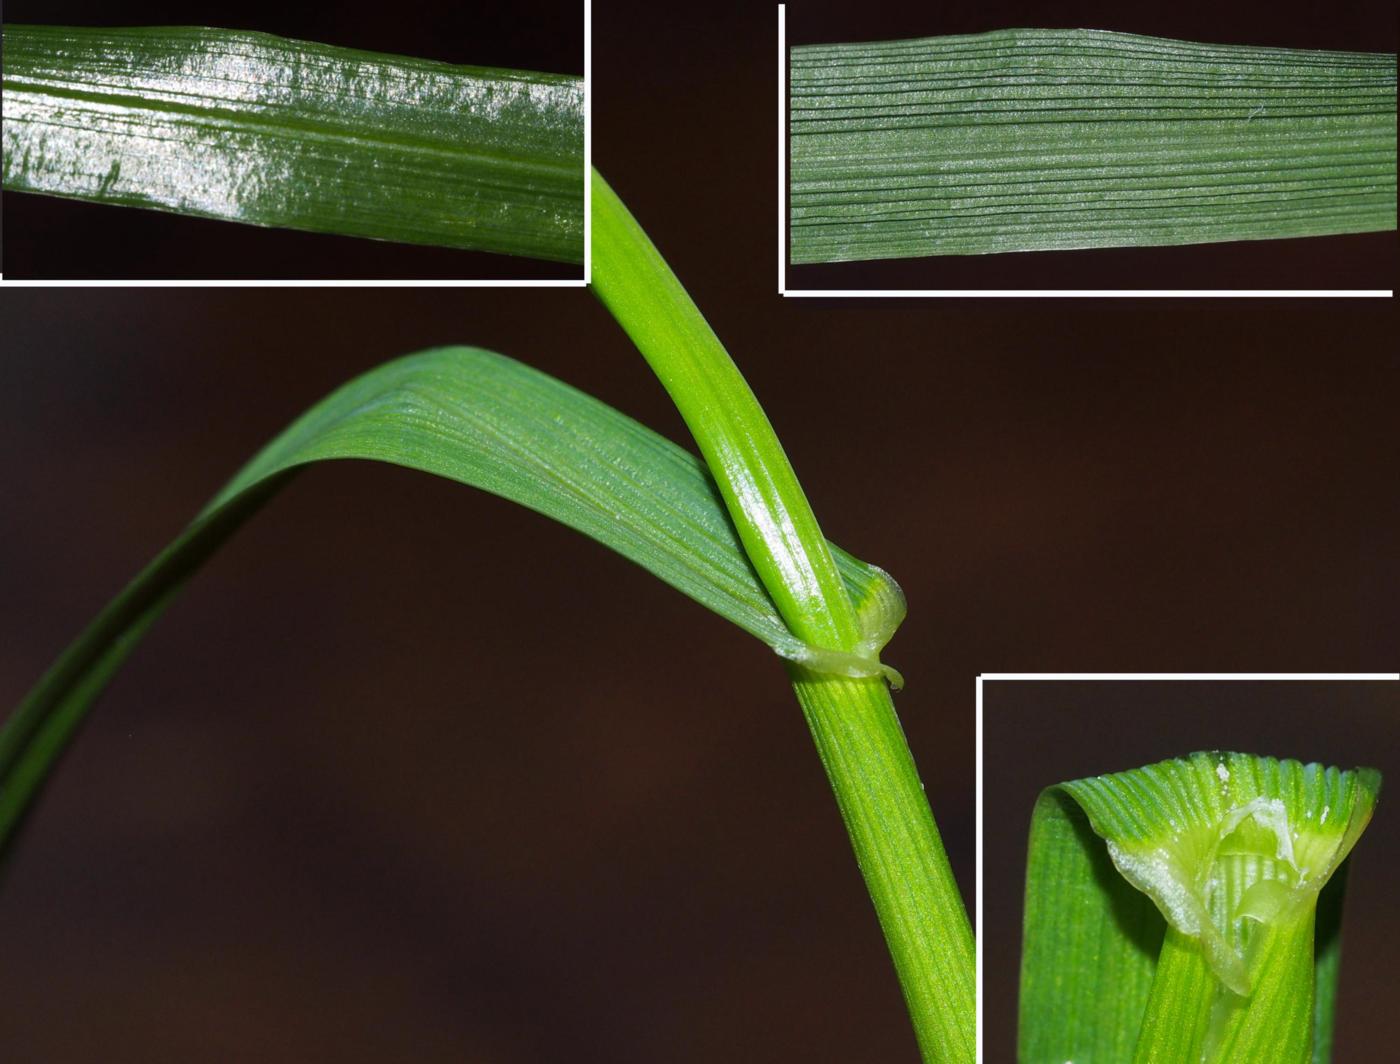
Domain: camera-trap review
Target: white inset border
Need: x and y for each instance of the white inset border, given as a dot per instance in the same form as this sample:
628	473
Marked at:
782	149
1115	677
582	282
987	293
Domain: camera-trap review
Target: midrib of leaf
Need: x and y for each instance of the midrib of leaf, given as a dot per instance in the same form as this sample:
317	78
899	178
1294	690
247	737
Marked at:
1044	139
335	133
252	128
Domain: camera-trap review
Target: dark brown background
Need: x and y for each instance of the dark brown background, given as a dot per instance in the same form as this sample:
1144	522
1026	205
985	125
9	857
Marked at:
367	794
47	238
1361	260
1039	733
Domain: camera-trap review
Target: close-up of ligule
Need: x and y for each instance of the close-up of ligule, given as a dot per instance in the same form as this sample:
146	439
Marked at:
1046	140
1148	803
1216	960
253	128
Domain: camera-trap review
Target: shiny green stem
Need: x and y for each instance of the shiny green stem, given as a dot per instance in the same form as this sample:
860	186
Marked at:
852	721
774	520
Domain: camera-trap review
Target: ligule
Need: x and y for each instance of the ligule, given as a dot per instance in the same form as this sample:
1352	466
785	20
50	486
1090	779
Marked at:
1234	853
880	609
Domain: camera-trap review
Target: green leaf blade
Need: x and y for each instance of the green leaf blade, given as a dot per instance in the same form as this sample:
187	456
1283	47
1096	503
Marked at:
467	415
253	128
1025	140
1090	947
1328	963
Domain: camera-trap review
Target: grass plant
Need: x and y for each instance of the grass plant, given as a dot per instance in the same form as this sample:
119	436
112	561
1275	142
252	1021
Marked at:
1183	913
734	532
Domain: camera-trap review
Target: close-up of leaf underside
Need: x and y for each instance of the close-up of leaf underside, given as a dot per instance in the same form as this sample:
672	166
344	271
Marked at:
1026	140
247	127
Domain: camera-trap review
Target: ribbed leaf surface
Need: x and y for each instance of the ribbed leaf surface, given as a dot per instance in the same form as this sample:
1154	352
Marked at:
1090	947
253	128
1025	140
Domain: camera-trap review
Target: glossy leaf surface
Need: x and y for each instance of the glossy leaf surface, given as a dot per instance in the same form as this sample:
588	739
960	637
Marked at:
252	128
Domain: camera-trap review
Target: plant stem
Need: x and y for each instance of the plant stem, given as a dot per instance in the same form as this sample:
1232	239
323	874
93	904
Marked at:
1179	1006
1191	1017
900	854
852	721
1274	1024
775	522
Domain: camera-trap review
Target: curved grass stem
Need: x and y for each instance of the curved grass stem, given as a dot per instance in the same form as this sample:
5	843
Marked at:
852	720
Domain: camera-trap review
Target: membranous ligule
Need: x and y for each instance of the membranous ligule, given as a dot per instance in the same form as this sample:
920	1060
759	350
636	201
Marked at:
1230	846
880	610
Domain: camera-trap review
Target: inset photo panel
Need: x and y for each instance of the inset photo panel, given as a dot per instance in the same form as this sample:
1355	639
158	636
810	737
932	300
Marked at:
1164	860
1085	147
430	142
